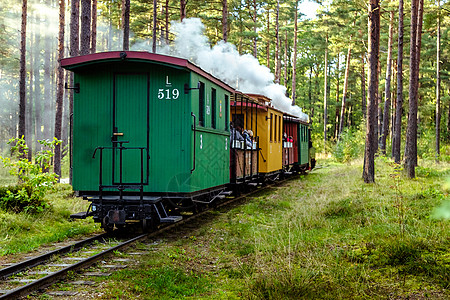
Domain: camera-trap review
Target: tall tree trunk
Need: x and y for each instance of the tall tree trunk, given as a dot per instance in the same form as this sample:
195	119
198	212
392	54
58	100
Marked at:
294	59
37	87
48	92
182	10
59	90
438	84
344	94
66	119
22	71
74	51
325	94
371	141
380	110
74	28
286	62
85	36
311	110
411	132
396	140
255	28
29	105
225	20
94	27
336	123
126	24
155	5
387	91
166	14
277	44
268	39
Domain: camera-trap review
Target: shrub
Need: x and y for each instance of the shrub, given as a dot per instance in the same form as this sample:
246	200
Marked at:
350	145
34	182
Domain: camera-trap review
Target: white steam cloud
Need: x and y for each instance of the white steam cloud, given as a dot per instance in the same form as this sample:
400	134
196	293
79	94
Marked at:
242	72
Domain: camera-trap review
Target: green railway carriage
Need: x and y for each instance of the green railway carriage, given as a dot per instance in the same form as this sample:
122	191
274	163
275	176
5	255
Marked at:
146	127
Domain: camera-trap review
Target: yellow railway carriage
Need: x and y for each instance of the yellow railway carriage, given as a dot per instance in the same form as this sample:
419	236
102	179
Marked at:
270	133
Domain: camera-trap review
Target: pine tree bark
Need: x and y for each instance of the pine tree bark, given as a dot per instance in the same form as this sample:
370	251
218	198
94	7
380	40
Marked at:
277	44
74	28
325	90
37	87
182	10
438	84
166	14
59	91
29	105
268	39
94	27
371	141
74	50
155	5
411	132
85	35
126	24
255	28
22	71
225	20
336	123
286	61
396	140
294	59
387	91
47	115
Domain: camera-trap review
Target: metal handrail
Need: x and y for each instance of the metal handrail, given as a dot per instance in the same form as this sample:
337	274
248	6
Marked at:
194	128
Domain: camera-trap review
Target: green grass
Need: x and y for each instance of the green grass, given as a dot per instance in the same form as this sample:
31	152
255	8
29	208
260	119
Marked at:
324	236
25	232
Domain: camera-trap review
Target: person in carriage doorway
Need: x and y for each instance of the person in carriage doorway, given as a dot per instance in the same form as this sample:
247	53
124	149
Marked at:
248	136
235	133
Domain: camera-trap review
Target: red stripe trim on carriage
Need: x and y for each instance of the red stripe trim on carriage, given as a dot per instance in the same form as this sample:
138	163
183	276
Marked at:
73	62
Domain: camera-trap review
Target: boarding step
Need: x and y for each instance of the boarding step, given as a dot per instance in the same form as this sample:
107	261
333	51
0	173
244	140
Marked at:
80	215
163	216
253	184
287	173
227	193
171	219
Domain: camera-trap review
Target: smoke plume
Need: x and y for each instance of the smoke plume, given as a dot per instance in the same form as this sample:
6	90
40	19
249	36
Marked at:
242	72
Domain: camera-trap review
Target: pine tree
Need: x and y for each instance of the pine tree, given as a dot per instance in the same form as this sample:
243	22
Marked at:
59	90
371	140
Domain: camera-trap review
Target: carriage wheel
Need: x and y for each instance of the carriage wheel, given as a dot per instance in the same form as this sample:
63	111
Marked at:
106	225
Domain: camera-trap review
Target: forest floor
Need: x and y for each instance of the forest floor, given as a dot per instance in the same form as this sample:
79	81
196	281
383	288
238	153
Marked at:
326	235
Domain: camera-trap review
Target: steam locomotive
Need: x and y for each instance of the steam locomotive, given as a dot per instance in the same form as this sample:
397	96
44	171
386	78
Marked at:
156	135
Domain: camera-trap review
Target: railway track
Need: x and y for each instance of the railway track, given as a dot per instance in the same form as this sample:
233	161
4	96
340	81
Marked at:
37	273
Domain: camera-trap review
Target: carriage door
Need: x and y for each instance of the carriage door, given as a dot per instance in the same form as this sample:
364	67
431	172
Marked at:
130	128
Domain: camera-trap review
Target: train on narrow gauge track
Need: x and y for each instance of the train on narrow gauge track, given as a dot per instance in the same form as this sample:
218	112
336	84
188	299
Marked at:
156	135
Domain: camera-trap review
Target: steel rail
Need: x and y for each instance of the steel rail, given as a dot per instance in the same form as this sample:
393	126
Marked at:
54	277
38	260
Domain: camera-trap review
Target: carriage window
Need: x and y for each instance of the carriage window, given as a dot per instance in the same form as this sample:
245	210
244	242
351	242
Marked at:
271	127
280	136
213	108
275	128
226	113
201	105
